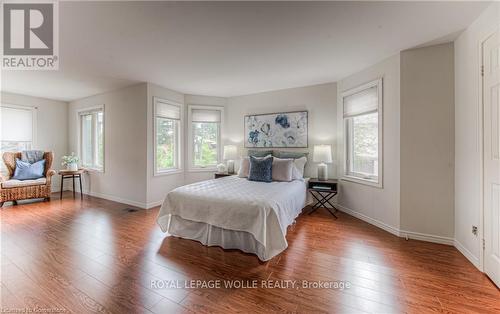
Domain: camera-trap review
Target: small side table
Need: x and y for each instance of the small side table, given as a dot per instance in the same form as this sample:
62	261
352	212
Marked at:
323	191
66	174
221	175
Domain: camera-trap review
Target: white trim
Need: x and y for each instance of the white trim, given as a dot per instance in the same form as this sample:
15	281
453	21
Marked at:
380	91
116	199
180	139
395	231
473	259
372	221
153	204
191	167
426	237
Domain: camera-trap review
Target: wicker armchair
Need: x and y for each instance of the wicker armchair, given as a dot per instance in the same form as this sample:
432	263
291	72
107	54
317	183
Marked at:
13	190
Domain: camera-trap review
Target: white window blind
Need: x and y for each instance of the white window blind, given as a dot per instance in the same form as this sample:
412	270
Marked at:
362	102
205	115
17	124
168	111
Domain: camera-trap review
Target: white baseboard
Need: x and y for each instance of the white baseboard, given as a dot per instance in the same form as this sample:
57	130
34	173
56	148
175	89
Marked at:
473	259
369	220
116	199
426	237
395	231
153	204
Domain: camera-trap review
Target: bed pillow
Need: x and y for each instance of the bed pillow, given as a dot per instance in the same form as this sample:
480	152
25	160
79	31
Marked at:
298	169
261	169
259	153
27	171
245	166
292	155
282	169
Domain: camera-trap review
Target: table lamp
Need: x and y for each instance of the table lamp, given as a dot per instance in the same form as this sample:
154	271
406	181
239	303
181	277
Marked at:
323	155
230	155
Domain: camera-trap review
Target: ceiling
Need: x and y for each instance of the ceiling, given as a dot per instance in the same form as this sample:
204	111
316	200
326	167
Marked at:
231	48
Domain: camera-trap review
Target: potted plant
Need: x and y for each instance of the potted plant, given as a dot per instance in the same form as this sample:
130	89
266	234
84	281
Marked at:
71	162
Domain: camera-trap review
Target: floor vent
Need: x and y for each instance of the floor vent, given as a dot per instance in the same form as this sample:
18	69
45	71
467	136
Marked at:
130	210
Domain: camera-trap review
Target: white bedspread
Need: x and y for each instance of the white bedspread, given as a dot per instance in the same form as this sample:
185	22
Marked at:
264	210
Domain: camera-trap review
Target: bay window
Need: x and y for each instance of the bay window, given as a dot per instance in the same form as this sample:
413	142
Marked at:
362	115
167	136
204	136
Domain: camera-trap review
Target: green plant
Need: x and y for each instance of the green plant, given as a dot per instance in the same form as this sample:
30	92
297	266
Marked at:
69	159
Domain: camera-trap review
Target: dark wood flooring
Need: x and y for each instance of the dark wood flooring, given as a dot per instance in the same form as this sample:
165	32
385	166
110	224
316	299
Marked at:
94	256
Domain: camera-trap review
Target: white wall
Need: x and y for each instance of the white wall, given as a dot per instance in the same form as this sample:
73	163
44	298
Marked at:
427	141
125	131
319	100
468	137
51	127
380	206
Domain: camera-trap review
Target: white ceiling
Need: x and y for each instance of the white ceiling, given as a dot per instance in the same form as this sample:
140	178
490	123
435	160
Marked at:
231	48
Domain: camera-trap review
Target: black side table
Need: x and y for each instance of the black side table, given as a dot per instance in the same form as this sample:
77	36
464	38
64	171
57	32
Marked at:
323	191
67	174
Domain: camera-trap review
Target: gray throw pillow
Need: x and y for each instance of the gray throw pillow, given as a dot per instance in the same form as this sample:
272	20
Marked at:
261	169
287	154
259	153
282	169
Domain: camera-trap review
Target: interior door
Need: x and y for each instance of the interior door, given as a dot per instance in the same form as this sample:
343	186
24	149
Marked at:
491	94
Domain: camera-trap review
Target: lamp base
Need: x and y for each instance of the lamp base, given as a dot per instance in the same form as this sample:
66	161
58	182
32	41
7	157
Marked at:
230	166
322	172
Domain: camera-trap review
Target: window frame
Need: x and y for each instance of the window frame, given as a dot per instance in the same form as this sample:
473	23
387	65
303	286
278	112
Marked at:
179	138
347	124
190	160
80	114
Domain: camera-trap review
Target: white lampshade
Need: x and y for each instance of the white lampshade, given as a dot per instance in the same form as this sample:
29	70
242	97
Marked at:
322	153
230	152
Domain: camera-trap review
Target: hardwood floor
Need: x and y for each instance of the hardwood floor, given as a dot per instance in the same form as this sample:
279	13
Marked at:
94	256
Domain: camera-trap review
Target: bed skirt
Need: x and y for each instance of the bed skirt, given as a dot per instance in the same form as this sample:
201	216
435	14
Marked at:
215	236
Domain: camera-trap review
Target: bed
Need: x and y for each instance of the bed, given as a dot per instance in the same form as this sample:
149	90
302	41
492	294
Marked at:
235	213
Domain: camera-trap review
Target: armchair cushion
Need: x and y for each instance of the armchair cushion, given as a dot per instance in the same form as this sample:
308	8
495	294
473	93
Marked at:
13	183
27	171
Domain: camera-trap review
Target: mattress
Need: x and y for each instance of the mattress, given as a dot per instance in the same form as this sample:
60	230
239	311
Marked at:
235	213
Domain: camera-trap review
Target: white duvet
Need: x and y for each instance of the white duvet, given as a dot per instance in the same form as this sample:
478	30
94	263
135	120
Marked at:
263	210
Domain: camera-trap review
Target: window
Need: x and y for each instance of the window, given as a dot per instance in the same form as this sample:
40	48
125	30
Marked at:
363	133
92	138
204	136
167	136
18	124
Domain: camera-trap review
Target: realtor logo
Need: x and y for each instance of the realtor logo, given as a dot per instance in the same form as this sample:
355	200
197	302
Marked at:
30	37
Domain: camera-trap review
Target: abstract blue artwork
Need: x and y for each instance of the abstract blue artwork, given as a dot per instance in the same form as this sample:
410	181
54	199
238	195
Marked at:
285	129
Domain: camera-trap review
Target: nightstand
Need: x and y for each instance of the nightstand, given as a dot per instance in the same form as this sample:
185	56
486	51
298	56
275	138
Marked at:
323	191
221	175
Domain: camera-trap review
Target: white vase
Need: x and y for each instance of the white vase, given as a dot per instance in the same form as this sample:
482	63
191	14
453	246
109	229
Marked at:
72	166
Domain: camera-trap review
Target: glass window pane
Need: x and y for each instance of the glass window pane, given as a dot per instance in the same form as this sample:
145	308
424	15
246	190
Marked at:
86	139
100	139
166	142
364	139
205	143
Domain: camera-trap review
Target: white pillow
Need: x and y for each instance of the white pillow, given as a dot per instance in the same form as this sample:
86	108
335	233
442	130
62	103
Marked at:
282	169
298	170
245	166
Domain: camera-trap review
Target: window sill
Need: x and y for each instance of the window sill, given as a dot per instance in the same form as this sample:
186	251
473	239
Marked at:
167	172
211	169
94	170
363	181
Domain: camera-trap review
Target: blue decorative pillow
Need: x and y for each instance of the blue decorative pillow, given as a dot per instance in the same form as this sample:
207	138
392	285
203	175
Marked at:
261	169
27	171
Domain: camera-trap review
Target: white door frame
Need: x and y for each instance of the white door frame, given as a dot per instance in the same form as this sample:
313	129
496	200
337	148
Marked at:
480	124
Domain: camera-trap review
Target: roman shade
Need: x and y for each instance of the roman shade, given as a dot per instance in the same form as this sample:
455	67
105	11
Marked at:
205	115
168	110
361	102
17	124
